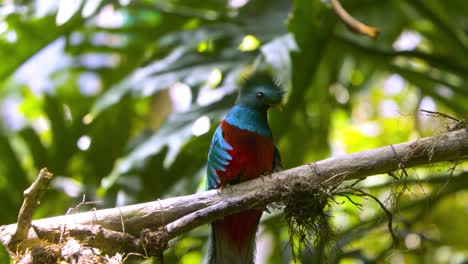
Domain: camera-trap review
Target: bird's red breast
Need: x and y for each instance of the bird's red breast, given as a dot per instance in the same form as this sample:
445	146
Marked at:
252	155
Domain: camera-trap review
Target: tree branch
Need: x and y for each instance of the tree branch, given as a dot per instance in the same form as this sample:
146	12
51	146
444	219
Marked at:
106	240
432	59
32	195
178	215
351	22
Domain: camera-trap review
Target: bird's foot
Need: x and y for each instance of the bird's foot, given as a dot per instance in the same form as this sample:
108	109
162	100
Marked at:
226	186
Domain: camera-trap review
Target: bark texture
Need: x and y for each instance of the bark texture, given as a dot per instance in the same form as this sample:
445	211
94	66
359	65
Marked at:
171	217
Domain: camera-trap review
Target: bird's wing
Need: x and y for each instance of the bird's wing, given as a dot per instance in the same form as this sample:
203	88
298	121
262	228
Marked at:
218	158
277	166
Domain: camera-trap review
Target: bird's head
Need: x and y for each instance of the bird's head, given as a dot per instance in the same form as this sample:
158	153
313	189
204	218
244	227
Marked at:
259	91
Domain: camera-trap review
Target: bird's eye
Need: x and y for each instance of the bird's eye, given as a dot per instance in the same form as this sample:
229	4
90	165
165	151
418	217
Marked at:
259	96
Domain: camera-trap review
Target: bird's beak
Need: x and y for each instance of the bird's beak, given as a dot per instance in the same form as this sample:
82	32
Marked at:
278	106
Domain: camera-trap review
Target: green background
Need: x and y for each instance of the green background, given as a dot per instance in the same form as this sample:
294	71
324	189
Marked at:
91	90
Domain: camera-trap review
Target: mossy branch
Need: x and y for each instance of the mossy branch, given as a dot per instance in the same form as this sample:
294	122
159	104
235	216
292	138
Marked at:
171	217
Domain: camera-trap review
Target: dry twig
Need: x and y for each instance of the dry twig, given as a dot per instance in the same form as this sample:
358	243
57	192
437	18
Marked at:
351	22
32	195
382	206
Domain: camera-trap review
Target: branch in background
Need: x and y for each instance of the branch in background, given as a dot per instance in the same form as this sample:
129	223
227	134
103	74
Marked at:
432	59
182	11
32	195
417	120
457	36
424	81
351	22
178	215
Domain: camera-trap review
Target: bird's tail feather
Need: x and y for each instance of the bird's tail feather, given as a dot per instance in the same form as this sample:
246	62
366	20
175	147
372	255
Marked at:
232	239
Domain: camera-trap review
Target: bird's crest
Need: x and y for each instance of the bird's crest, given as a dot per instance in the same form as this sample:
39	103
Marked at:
251	77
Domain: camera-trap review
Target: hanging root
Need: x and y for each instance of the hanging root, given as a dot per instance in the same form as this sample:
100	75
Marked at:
305	211
307	219
155	242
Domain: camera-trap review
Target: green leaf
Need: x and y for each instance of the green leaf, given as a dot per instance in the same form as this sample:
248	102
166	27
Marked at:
31	36
38	150
4	256
173	134
11	166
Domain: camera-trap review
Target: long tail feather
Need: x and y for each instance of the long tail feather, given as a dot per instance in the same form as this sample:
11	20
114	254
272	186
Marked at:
232	239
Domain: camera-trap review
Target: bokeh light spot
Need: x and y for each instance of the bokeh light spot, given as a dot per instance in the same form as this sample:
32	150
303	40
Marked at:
201	126
249	43
84	142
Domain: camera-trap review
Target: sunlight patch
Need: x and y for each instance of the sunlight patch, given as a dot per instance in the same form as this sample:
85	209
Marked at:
249	43
215	78
237	3
394	84
181	97
412	241
201	126
408	40
66	11
3	27
84	142
108	17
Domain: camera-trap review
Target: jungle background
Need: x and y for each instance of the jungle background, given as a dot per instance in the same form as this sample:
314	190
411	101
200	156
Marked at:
119	100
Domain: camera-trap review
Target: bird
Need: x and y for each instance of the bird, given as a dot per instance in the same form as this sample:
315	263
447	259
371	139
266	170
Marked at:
241	149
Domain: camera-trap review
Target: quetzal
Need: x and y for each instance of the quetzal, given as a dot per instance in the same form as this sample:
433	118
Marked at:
242	148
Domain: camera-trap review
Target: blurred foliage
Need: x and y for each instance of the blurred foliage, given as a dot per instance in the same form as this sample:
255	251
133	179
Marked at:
119	99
